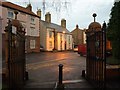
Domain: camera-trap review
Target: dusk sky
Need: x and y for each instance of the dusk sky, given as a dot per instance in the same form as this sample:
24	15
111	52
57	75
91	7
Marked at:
75	12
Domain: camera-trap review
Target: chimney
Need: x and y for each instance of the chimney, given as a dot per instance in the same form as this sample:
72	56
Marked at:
63	23
77	26
48	17
39	12
29	7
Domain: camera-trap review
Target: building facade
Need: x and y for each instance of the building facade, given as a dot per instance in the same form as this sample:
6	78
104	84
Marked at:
53	36
78	36
29	20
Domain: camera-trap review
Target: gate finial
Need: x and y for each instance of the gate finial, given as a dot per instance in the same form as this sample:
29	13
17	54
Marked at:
94	15
104	24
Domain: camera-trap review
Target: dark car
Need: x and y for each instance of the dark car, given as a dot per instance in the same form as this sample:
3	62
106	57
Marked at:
41	48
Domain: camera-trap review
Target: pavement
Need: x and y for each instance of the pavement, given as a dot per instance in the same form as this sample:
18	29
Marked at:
68	85
77	84
44	74
43	71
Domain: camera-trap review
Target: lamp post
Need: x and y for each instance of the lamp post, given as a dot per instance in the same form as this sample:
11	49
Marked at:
104	55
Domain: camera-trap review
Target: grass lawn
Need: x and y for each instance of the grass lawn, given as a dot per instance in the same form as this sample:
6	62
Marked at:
113	61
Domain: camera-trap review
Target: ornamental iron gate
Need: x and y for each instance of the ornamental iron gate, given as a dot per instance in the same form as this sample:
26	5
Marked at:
15	54
96	57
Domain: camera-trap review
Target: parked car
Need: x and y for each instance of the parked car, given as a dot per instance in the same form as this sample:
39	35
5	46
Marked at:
82	49
75	48
41	48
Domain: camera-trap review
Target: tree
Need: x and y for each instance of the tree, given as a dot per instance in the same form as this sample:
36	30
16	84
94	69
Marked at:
113	31
57	5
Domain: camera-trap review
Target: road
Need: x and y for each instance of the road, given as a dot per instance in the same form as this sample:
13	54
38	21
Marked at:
43	67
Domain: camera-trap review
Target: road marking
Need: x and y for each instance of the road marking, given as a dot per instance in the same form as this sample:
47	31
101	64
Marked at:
72	81
54	82
45	62
40	83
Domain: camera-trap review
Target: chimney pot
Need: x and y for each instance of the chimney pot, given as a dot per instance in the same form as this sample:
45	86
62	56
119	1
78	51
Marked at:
39	12
63	23
48	17
29	7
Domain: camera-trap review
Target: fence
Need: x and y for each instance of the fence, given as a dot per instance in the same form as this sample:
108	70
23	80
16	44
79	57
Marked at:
96	57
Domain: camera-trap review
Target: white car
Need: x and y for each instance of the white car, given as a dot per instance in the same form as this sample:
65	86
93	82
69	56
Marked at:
75	48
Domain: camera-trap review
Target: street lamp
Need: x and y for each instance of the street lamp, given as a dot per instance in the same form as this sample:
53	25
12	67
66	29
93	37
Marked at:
63	32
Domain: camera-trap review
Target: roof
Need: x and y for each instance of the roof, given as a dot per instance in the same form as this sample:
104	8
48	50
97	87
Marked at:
18	8
55	26
94	25
77	29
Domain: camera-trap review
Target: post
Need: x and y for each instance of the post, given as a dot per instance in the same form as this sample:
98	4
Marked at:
26	75
60	74
60	85
8	51
83	73
104	34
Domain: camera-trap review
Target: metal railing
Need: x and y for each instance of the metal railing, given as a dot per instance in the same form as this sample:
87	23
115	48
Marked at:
96	57
15	57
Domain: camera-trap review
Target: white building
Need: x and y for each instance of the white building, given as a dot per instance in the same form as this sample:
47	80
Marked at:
53	36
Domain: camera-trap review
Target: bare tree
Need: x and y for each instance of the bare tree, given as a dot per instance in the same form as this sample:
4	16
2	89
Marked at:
57	5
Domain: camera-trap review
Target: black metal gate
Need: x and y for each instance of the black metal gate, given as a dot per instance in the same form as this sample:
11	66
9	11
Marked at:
15	54
96	57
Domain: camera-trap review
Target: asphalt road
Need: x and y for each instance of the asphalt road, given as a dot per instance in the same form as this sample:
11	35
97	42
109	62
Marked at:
43	67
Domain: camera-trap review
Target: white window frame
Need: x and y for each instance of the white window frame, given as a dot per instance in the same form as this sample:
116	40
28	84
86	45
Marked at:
32	19
10	14
32	31
32	44
50	34
50	44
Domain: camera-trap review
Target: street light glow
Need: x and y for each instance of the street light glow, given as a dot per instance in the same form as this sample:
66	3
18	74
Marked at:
63	31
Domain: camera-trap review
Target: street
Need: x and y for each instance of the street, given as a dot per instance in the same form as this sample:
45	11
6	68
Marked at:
43	67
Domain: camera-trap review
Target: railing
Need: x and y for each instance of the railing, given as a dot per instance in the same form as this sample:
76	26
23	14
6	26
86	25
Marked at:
15	56
96	57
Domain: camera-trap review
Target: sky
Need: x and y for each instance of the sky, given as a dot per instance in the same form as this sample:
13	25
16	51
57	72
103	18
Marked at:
74	11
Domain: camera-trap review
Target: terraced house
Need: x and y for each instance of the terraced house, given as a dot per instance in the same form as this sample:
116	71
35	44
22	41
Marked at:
38	32
29	20
53	36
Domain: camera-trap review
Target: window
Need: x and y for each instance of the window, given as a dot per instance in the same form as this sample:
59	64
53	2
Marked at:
50	44
61	36
10	14
32	44
32	31
32	20
50	34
